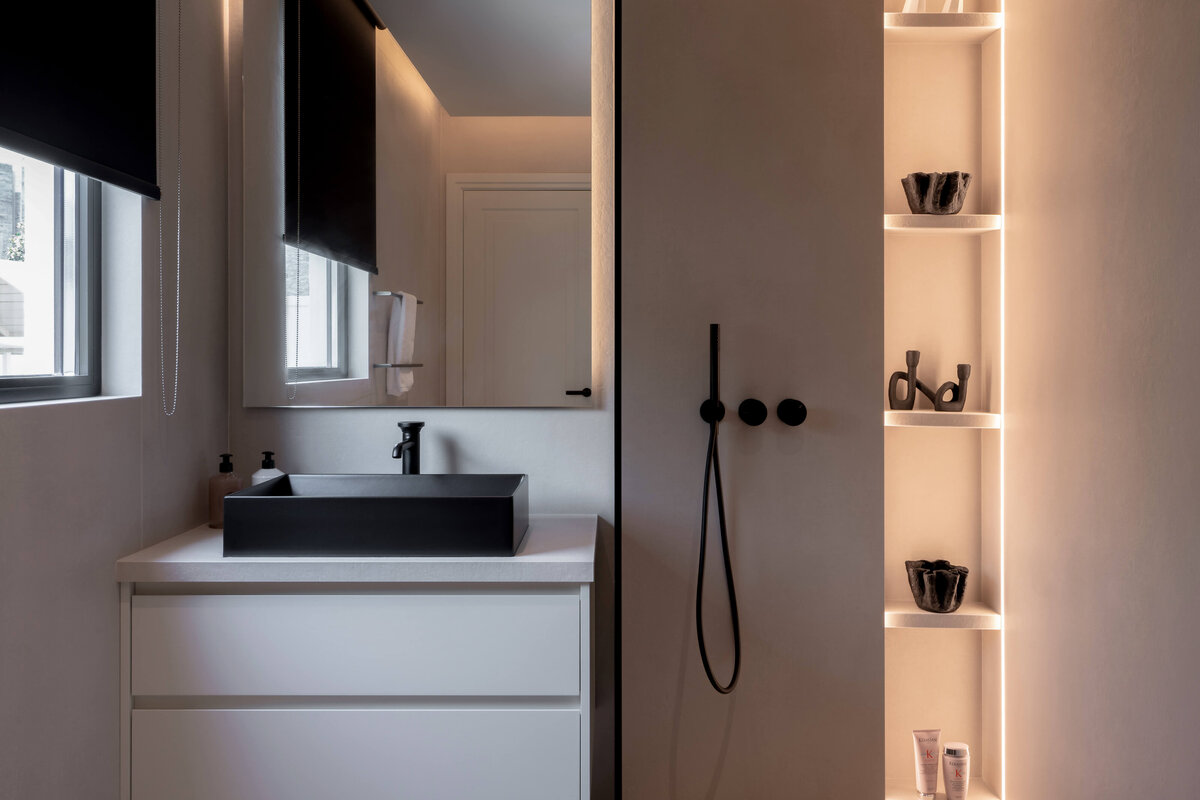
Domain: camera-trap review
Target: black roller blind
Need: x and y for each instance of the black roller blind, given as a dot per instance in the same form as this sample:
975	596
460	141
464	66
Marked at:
330	201
77	88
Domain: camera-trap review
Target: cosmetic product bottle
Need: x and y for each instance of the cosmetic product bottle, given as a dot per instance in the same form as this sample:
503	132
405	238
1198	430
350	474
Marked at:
268	471
226	481
956	770
926	748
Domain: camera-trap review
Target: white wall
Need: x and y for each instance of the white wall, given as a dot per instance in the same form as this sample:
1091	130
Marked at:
85	482
516	144
419	143
567	453
1103	446
411	192
751	146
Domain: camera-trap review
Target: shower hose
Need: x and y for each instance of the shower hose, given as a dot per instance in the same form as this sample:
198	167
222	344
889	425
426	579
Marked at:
712	470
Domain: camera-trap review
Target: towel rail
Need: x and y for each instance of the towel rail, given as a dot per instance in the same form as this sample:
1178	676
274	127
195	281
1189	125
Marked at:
394	294
382	293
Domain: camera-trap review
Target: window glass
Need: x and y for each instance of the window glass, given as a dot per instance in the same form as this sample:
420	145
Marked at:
47	325
315	316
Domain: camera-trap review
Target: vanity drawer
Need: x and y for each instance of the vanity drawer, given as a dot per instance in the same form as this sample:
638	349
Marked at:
453	643
359	753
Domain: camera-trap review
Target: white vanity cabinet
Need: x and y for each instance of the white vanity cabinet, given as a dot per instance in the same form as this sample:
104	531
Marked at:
267	678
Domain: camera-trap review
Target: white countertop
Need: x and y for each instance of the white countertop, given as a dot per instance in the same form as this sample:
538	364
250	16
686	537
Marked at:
557	549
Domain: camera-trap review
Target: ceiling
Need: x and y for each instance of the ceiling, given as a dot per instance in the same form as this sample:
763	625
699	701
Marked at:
498	57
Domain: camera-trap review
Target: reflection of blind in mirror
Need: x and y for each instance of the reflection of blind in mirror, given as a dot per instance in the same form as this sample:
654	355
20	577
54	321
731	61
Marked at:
316	292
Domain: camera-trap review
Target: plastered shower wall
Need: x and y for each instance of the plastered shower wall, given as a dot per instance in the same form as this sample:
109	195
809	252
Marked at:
1103	437
751	149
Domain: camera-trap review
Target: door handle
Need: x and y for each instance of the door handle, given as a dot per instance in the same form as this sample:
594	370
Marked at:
585	392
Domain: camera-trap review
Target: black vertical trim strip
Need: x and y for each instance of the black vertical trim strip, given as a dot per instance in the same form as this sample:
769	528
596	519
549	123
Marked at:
617	406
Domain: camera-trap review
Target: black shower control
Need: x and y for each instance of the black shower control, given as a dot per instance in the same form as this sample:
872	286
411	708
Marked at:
792	412
752	412
712	411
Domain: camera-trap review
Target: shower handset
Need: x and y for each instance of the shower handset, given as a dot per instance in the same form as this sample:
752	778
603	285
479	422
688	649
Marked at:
712	411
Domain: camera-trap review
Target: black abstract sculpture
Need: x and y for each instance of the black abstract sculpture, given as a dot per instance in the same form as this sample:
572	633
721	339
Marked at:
937	586
936	192
912	358
957	391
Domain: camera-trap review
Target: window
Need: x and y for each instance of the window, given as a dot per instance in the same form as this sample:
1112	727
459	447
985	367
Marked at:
49	281
315	317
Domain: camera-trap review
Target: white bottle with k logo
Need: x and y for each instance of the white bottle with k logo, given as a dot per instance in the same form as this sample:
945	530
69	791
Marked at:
956	770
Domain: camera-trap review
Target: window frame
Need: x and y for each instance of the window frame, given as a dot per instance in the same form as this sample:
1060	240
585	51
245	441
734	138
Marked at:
33	388
338	314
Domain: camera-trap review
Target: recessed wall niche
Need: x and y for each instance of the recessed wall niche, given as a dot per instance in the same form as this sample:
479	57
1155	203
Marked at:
944	296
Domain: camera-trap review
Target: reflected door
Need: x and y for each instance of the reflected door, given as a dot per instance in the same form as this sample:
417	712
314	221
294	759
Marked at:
526	297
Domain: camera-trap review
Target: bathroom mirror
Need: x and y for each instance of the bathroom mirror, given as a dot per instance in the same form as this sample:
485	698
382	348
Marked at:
483	214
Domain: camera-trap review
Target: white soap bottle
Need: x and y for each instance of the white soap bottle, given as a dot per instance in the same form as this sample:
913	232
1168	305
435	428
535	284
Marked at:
268	471
956	770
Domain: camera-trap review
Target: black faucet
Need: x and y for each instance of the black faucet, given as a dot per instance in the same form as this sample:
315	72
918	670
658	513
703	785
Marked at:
409	447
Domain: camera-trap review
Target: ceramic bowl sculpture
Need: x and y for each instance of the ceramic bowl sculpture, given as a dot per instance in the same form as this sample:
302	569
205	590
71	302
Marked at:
936	192
937	586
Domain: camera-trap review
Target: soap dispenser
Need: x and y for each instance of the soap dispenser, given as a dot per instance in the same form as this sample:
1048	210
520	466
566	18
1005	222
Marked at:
268	471
224	482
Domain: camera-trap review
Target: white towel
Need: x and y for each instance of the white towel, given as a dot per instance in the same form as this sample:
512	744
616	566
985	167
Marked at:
402	333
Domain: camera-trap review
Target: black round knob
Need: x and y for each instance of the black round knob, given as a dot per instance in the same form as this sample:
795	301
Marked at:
792	412
752	412
712	411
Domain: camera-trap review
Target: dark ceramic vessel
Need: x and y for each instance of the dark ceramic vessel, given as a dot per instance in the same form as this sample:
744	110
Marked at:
936	192
937	586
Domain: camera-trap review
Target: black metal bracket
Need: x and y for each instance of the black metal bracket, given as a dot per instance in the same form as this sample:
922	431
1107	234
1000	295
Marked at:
712	410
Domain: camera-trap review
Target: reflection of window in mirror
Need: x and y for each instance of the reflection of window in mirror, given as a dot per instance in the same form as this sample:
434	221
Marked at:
315	317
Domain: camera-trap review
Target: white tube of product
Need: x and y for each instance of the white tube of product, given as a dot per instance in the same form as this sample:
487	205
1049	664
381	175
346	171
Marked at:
926	748
956	770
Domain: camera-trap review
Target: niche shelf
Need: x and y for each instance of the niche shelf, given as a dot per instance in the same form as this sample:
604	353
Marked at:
935	27
941	419
900	790
970	616
950	223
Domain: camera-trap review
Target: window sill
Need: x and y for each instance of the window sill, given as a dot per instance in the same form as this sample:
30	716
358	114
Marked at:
68	401
342	391
72	402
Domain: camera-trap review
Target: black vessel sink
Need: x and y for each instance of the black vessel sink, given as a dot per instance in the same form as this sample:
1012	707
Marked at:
379	515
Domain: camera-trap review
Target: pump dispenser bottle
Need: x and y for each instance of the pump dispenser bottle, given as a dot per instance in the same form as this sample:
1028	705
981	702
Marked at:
268	470
224	482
